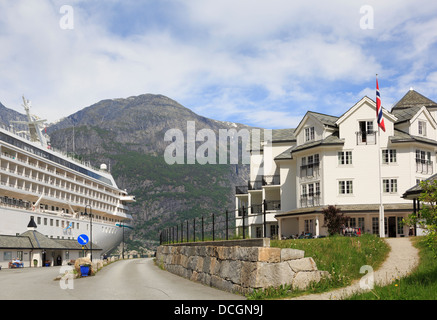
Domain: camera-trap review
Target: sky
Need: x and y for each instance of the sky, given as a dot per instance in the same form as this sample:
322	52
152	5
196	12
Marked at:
262	63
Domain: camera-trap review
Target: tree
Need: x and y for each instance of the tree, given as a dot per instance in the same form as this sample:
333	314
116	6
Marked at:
334	219
427	217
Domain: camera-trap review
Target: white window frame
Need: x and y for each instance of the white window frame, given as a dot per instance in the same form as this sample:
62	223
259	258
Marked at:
310	134
421	124
389	156
344	158
345	187
390	185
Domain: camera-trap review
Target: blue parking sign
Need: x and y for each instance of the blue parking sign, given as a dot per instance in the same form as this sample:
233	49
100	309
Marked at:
82	239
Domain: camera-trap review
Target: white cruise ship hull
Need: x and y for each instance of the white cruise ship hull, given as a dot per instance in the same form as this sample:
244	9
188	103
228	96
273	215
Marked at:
14	221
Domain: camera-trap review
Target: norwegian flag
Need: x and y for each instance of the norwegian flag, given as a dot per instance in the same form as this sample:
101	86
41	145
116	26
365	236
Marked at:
379	109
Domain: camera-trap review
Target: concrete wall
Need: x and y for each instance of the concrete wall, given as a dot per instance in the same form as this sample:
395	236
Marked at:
239	269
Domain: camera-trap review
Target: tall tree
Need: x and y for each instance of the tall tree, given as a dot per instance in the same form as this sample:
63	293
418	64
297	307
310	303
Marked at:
334	219
427	217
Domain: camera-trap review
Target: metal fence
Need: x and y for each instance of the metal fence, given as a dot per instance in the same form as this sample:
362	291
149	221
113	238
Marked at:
214	226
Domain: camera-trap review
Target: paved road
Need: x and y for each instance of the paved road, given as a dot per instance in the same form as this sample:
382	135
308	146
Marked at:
137	279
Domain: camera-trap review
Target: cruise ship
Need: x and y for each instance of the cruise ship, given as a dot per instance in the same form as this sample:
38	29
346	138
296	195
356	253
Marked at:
64	196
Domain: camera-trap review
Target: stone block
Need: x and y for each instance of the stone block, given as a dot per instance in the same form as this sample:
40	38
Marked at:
303	279
230	270
269	255
273	274
291	254
248	273
247	254
303	264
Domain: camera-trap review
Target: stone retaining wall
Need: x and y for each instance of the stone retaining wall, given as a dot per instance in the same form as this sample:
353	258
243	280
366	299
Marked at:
240	269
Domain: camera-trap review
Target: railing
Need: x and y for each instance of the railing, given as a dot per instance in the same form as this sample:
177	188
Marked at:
258	184
310	200
255	185
272	204
271	180
366	137
424	166
241	189
221	226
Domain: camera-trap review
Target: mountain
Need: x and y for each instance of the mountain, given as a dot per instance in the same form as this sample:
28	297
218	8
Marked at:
128	136
8	115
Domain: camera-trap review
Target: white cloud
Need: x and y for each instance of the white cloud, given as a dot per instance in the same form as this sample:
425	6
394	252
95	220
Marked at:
260	62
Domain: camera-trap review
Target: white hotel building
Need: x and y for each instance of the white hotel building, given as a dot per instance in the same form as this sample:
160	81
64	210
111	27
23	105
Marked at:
329	160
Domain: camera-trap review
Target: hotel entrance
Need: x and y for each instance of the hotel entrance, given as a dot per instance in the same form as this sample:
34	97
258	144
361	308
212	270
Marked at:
392	227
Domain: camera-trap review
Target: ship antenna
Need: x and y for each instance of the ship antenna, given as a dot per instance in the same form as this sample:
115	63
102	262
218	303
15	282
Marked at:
33	124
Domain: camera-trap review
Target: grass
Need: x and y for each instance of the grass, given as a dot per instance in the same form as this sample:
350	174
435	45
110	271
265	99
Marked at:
421	284
341	256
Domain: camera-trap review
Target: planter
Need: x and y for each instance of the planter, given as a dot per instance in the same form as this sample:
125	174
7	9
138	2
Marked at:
84	270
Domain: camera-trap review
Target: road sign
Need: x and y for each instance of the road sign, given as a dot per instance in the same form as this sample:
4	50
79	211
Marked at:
83	239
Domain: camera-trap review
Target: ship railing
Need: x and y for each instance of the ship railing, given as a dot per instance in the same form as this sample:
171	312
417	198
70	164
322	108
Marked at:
65	154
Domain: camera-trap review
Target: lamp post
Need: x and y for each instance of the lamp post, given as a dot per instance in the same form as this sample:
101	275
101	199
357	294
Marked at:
120	225
91	229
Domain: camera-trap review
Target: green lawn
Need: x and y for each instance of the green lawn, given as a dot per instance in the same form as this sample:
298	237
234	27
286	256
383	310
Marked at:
419	285
341	256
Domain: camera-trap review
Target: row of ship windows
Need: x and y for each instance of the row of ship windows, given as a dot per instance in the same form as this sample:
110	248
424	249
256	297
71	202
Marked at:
70	188
65	224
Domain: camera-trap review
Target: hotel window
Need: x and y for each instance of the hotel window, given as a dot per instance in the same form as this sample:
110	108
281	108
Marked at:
304	190
423	162
389	185
309	134
375	225
345	187
389	156
344	157
422	128
400	225
366	135
310	168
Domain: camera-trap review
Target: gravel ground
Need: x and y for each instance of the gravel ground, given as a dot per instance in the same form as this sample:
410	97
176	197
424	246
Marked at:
402	259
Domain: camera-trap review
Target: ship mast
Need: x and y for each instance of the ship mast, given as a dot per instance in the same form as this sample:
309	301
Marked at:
33	125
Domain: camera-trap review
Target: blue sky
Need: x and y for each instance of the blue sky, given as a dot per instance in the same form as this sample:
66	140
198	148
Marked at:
257	62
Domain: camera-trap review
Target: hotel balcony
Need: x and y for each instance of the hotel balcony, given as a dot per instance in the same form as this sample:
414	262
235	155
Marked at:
241	189
366	137
271	180
273	205
424	166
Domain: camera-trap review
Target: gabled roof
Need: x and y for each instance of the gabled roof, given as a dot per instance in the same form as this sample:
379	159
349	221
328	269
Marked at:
386	114
400	136
406	114
323	119
413	99
414	192
33	239
330	140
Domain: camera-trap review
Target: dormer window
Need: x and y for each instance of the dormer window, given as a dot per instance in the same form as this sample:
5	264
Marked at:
309	134
422	128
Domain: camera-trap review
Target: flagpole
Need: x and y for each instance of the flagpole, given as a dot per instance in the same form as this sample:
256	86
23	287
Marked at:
381	205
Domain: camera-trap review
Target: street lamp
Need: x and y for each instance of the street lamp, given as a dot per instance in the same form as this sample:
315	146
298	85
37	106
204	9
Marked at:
120	225
91	230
